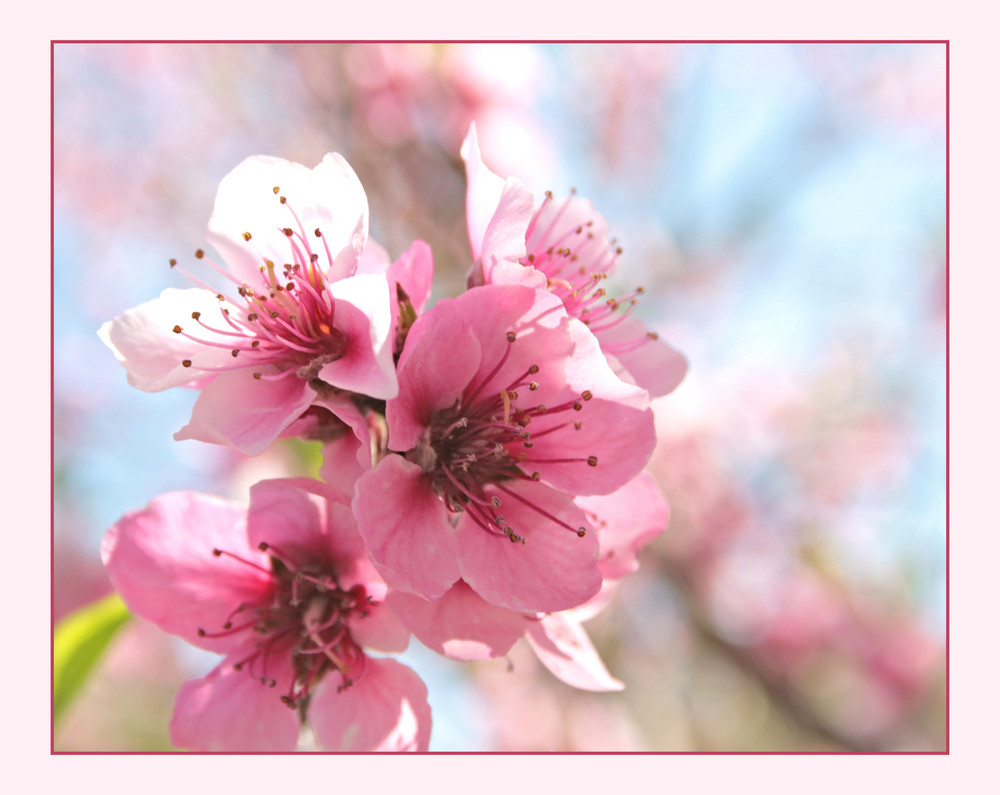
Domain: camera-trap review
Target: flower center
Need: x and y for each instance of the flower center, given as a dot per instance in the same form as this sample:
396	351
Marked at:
285	320
483	440
307	617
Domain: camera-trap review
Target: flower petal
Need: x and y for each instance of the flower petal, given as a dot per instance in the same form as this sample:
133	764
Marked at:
626	521
160	560
650	362
483	191
461	624
440	358
231	711
329	198
564	648
239	410
384	710
406	528
143	340
363	313
554	569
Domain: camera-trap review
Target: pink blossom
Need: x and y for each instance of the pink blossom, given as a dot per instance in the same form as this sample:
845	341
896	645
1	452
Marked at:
306	316
463	626
562	246
506	410
286	592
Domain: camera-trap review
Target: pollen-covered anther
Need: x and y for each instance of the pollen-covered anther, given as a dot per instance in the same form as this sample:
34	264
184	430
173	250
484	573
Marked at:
247	236
178	329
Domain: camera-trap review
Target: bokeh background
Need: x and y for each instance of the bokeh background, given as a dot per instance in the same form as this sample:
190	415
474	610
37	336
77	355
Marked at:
784	206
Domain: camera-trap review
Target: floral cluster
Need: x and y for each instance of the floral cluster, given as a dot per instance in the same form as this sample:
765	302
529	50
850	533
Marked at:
483	458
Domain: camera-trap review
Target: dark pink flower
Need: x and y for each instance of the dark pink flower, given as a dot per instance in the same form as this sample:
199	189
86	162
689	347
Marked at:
562	246
507	409
286	592
303	316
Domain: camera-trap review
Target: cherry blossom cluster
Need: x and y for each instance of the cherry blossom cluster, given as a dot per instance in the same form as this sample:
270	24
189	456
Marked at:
483	458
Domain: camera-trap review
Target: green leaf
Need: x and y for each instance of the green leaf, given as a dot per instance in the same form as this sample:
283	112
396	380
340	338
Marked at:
79	641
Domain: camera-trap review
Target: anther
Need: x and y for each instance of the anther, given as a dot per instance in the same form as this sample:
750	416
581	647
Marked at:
287	231
653	335
511	336
577	406
246	236
581	532
587	394
592	460
276	189
217	552
199	253
186	362
318	232
257	376
235	352
178	329
173	262
195	315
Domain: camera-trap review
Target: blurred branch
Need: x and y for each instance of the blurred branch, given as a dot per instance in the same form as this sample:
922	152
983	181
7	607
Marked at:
780	693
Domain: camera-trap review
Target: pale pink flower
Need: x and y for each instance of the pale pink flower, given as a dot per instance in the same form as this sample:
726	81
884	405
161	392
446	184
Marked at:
562	246
306	315
507	408
286	592
463	626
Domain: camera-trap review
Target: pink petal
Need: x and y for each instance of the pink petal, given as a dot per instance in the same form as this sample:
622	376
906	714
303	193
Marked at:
588	369
441	356
385	710
298	518
559	218
483	192
231	711
564	648
143	340
626	521
406	528
381	629
460	625
553	570
160	561
329	198
621	438
652	364
503	239
238	410
363	313
414	272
